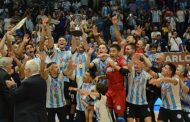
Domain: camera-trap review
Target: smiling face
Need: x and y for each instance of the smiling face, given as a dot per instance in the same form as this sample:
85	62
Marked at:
140	44
167	71
80	47
129	51
114	53
62	43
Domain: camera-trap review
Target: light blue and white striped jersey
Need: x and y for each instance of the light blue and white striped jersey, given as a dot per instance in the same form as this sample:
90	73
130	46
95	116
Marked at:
137	87
81	65
55	92
62	58
85	86
101	67
170	95
102	111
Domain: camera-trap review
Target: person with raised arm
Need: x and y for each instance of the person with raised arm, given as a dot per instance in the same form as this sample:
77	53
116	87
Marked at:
170	94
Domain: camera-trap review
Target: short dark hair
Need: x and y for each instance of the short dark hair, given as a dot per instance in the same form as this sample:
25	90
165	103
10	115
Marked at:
153	45
49	64
29	44
133	46
101	88
116	46
172	68
92	73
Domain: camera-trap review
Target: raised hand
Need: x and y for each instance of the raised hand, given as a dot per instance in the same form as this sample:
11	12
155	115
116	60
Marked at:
111	62
139	30
42	56
90	51
10	83
71	65
26	38
95	31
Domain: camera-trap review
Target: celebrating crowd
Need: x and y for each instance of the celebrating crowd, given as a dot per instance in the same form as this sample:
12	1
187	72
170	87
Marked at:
93	60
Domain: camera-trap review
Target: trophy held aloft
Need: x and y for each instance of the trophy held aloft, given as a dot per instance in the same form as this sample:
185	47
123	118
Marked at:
75	25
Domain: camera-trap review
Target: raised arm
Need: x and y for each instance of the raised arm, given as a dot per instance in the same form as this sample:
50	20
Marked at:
46	31
84	40
43	70
2	43
89	64
19	64
73	44
70	67
22	45
116	30
146	61
96	35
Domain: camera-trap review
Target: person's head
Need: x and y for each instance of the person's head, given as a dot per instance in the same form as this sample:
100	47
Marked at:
6	63
159	60
102	49
53	68
153	48
81	47
101	88
181	71
140	44
131	39
174	34
130	49
155	29
89	76
61	43
188	29
79	43
138	64
114	50
31	67
29	49
169	70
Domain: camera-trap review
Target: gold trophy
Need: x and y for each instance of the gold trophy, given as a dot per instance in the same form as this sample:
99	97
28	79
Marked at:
75	25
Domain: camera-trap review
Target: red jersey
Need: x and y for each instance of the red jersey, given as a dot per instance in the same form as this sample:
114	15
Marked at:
114	77
140	50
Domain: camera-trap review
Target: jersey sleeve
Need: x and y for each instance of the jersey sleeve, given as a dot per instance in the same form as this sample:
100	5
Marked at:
122	62
95	61
103	99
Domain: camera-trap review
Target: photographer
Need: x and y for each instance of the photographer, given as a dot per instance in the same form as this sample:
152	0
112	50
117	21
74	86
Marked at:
176	43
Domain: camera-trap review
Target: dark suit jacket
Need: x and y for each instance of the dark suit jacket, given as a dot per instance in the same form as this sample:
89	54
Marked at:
6	108
30	100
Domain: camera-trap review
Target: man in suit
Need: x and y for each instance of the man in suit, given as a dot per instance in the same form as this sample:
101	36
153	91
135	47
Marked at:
30	97
6	108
